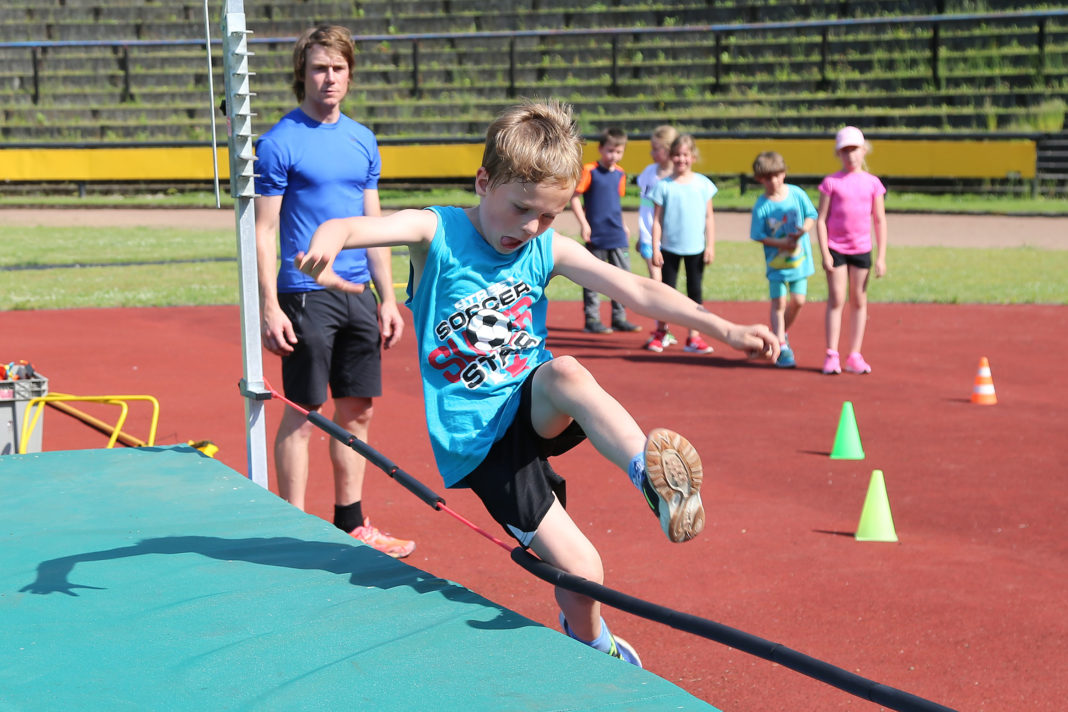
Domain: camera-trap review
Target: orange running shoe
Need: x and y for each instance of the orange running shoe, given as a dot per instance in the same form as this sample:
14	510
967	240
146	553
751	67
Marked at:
397	548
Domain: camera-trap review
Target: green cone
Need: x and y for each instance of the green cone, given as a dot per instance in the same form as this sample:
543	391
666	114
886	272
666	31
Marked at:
876	522
847	440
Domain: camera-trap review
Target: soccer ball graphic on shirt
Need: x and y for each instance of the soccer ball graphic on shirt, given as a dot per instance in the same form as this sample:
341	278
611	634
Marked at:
786	259
488	330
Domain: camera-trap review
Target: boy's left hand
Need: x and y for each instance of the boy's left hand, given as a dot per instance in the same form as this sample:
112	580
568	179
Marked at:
756	340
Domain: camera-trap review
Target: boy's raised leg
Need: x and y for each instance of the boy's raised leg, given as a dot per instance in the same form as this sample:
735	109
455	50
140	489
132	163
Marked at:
664	465
563	390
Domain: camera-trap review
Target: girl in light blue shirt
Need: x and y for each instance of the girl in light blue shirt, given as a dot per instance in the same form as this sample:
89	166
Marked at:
684	230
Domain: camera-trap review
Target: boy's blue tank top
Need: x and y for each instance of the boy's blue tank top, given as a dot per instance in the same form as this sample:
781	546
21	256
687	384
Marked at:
479	319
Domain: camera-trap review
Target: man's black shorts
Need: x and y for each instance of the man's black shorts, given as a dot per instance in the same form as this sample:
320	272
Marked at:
516	481
337	344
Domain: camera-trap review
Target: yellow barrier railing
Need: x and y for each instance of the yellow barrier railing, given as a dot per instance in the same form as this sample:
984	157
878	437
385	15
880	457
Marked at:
903	156
60	400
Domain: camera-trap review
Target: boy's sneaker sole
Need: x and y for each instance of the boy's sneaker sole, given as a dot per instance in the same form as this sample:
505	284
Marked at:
673	476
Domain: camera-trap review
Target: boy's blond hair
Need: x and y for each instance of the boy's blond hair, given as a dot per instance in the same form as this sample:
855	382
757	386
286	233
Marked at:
768	163
664	135
534	142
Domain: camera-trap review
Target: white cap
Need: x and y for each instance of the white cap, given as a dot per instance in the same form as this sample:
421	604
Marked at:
849	136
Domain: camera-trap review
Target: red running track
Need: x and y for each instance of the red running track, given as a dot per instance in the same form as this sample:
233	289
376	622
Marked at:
967	609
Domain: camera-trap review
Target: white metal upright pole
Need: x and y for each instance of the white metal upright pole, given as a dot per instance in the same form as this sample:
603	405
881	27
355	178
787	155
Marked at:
211	104
243	189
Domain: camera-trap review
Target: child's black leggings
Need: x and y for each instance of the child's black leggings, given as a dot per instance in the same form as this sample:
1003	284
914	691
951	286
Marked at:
695	270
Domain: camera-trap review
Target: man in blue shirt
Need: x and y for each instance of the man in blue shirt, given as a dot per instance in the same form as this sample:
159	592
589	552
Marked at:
313	165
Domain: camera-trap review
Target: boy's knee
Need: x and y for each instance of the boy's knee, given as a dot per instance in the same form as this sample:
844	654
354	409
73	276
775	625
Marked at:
567	368
587	564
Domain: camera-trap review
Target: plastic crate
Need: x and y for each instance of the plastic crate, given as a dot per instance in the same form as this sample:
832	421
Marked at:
14	397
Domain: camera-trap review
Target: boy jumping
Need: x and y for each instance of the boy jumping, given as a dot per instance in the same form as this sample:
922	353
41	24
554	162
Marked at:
497	403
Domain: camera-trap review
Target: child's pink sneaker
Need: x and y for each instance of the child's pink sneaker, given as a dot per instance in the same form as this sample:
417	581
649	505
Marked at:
697	345
856	363
831	364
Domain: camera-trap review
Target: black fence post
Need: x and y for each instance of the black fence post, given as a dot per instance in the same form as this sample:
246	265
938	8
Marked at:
717	39
1041	46
936	72
824	52
127	82
511	67
614	88
417	92
35	60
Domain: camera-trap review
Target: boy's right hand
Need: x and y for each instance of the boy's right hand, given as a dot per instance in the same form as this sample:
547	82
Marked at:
320	267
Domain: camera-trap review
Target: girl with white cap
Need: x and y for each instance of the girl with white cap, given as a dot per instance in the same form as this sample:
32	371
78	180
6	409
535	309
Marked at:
851	210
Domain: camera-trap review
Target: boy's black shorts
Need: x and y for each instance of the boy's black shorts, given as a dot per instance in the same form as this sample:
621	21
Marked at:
860	261
337	344
515	481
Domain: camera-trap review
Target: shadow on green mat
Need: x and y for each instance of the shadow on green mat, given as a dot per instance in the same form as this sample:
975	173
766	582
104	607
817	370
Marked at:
361	564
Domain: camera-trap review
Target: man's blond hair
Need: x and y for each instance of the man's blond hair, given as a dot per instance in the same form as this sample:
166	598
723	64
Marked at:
332	38
534	142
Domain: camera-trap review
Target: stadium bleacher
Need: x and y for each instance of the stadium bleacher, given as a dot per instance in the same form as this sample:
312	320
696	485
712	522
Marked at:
994	76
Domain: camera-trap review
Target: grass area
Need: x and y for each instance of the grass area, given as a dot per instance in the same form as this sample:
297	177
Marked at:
89	267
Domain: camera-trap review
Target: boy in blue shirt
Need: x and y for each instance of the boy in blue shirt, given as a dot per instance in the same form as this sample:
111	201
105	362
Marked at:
498	404
782	218
599	212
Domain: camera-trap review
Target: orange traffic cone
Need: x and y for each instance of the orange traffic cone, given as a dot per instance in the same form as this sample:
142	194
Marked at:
983	391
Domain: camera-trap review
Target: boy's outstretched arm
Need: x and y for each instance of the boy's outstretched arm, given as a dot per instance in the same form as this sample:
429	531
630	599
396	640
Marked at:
657	300
412	228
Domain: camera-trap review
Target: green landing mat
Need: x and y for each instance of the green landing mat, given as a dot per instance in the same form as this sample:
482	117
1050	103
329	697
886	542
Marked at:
160	579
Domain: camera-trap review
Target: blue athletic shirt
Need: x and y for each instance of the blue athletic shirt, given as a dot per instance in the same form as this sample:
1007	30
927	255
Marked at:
779	218
601	190
321	170
479	319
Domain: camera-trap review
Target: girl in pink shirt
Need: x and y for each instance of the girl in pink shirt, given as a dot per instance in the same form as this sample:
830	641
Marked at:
851	202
